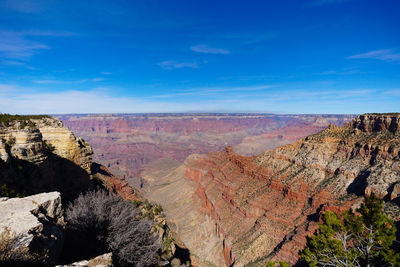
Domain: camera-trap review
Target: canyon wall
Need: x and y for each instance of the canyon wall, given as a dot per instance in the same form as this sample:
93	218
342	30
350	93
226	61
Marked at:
41	155
126	142
262	207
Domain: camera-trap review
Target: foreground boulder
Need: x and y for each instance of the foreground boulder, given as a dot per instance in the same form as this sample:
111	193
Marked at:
32	226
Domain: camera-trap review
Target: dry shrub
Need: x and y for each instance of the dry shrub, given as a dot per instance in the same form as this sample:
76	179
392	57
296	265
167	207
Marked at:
11	249
117	224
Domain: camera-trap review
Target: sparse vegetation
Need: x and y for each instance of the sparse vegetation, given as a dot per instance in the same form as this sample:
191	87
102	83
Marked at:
5	191
354	240
118	225
279	264
9	249
6	119
12	252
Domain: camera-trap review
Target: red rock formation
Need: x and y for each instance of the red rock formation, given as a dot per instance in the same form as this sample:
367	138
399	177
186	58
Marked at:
114	184
264	206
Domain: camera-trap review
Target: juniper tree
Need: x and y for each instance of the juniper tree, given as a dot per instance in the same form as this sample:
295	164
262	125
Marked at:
353	240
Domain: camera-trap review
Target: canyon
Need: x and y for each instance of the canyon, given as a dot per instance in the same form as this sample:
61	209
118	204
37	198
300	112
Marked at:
224	200
261	208
124	143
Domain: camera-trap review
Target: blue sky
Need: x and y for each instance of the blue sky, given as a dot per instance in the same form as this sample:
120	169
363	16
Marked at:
311	56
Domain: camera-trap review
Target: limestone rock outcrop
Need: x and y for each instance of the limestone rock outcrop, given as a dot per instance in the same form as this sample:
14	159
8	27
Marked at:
36	223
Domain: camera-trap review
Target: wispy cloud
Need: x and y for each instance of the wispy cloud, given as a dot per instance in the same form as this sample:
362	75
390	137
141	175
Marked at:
15	63
17	45
384	54
97	79
334	72
49	81
208	50
106	73
54	81
177	65
13	45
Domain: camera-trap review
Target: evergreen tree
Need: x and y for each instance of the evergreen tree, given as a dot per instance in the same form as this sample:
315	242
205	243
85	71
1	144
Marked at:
354	240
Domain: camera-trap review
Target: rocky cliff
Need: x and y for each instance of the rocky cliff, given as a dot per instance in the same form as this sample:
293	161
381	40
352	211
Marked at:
39	154
263	207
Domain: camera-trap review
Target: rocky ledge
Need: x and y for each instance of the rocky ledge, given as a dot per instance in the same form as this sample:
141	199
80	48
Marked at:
32	227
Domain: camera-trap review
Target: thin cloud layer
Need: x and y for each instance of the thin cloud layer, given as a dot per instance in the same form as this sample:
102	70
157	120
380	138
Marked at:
25	100
14	45
17	45
177	65
384	54
209	50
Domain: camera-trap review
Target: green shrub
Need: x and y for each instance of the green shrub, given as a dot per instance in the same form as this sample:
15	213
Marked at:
5	191
6	119
354	240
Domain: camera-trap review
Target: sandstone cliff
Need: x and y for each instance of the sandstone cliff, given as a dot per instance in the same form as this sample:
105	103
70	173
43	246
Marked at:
40	154
263	207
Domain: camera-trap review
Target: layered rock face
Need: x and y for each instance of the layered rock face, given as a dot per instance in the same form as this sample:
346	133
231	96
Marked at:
43	155
65	143
124	143
35	223
29	142
263	207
